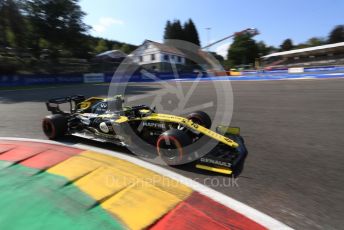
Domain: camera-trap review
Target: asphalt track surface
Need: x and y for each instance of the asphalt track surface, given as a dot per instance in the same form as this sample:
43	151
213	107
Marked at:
293	129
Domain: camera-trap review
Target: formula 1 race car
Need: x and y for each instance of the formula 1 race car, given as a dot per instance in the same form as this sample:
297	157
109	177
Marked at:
107	120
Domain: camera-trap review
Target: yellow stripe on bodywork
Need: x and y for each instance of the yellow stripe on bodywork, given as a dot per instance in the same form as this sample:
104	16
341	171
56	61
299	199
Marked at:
213	169
84	104
183	121
89	101
122	119
192	125
135	195
95	98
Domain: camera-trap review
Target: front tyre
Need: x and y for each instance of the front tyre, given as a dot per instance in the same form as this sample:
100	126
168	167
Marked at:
170	146
200	118
239	168
54	126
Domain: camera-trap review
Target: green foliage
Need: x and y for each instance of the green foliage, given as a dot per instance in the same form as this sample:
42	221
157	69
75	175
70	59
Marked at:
218	57
168	30
41	32
243	51
315	41
227	64
301	46
10	37
188	32
176	31
116	47
43	44
59	22
104	45
263	49
125	49
12	28
337	34
287	45
101	46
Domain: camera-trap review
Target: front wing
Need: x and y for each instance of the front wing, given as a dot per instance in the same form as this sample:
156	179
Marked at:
224	160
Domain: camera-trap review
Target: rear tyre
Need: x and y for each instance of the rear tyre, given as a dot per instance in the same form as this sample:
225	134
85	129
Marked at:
170	146
200	118
54	126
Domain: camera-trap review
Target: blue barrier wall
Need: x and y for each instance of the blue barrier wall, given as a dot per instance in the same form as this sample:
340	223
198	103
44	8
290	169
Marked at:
159	76
39	79
325	68
44	79
306	70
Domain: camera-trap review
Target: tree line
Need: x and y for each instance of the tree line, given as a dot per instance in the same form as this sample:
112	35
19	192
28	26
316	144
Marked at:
186	32
336	35
36	31
49	30
244	49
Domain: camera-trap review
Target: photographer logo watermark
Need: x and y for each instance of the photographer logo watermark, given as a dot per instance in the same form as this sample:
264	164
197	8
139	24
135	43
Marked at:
171	83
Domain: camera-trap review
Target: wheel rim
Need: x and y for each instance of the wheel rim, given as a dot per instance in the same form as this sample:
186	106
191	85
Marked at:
169	148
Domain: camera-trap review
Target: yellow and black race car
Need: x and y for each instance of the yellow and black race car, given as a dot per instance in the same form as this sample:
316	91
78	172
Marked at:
176	140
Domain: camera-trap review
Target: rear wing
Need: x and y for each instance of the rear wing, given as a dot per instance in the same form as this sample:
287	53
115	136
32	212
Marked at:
53	104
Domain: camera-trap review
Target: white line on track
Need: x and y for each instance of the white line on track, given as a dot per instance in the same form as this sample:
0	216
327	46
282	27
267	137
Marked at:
229	202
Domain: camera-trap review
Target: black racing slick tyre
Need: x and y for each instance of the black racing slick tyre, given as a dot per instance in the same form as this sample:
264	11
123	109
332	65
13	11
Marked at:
54	126
239	168
200	118
170	146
